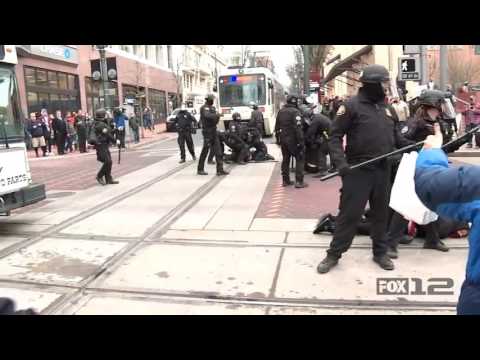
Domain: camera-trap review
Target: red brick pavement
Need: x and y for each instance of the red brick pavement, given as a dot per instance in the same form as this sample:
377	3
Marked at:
308	203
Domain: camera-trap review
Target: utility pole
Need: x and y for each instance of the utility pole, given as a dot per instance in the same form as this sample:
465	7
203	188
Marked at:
103	71
424	64
306	70
443	67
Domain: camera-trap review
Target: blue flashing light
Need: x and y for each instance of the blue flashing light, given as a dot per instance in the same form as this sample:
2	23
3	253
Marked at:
233	78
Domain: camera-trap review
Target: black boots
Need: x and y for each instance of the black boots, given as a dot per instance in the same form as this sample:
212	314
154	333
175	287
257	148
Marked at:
325	223
437	245
181	161
101	181
222	172
286	181
326	264
384	262
201	172
299	184
392	253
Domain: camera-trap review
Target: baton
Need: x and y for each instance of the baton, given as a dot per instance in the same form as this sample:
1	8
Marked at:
399	151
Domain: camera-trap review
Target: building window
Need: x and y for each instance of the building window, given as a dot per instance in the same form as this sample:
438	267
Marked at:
92	91
51	90
157	100
159	53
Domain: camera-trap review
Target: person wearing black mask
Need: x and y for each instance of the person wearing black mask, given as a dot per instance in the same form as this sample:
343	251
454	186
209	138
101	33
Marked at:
371	130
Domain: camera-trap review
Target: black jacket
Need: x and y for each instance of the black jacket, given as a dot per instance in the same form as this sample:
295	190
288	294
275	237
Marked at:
185	121
288	127
371	130
59	126
80	125
318	131
209	117
36	128
103	138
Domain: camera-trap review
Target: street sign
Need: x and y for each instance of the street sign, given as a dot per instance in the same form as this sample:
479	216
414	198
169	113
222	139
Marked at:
409	68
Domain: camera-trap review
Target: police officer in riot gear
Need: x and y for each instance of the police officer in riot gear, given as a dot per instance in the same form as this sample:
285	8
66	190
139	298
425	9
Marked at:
209	119
104	137
185	124
316	139
371	131
256	118
233	139
289	130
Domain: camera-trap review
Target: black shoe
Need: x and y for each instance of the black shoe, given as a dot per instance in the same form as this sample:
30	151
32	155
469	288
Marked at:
405	240
300	185
211	162
384	261
201	172
112	182
101	181
287	182
326	264
392	253
222	172
324	224
181	161
194	157
241	163
440	246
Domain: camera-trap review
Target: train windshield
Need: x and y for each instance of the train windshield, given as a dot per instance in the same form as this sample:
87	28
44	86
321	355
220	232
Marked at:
11	119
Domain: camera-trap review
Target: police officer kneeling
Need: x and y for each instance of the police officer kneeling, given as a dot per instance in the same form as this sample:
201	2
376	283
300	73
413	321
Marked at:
103	138
371	131
289	129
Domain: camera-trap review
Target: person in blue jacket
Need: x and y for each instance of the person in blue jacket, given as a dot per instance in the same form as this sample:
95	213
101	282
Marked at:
119	118
453	192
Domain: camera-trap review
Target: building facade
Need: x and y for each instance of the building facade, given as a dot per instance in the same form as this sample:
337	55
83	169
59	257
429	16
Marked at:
346	62
59	77
196	67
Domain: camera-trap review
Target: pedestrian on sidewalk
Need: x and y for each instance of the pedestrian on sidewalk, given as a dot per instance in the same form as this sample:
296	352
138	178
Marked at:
119	118
71	133
47	130
60	132
185	123
289	129
81	129
37	130
147	119
371	130
471	119
104	137
209	118
133	123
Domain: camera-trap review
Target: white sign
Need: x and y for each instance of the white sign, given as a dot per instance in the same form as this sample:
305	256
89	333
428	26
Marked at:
14	174
58	52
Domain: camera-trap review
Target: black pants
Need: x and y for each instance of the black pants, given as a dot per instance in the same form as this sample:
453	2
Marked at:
211	141
185	136
49	142
82	141
398	227
60	140
299	163
358	187
120	135
104	156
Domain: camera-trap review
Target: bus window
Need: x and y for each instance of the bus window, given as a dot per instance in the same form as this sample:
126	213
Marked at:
10	111
241	90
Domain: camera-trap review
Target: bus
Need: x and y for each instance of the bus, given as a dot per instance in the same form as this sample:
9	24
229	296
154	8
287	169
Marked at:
16	187
239	87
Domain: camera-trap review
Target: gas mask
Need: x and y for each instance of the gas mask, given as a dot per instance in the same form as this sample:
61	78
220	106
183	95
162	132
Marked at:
375	91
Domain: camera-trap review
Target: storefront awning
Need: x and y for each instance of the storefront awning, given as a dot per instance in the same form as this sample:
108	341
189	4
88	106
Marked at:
346	64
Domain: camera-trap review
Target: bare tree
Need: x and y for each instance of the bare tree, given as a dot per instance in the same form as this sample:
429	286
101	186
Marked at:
461	69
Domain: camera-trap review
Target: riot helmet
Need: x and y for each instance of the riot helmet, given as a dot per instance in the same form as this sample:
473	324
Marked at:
100	114
432	98
292	100
236	116
376	82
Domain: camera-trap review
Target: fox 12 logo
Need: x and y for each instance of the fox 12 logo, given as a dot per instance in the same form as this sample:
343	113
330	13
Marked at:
414	286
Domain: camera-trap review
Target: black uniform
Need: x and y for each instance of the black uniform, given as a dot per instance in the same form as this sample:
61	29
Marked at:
316	141
209	119
289	129
81	127
256	120
104	137
371	131
185	124
233	139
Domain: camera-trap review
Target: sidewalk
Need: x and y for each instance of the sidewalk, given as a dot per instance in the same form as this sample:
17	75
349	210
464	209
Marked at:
149	137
